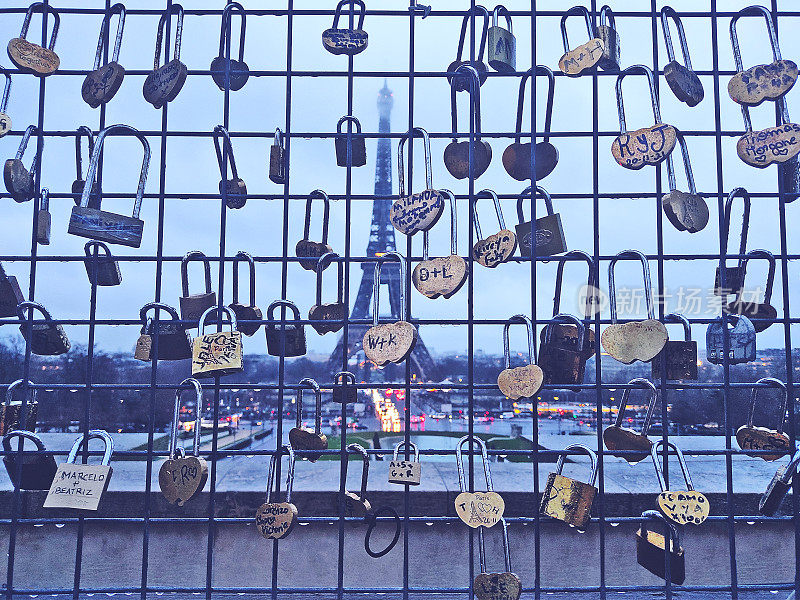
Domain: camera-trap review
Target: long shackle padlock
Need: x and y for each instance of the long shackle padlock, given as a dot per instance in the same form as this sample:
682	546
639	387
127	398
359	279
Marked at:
524	381
329	316
565	335
80	182
547	236
587	55
751	437
276	520
680	507
761	314
570	500
233	190
5	119
625	442
102	83
30	57
306	250
226	70
164	83
249	311
416	212
496	248
732	279
357	505
686	211
312	443
486	584
471	157
682	80
460	81
477	509
20	182
194	305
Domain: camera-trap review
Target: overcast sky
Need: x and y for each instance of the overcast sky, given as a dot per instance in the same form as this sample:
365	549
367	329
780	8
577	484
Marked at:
317	104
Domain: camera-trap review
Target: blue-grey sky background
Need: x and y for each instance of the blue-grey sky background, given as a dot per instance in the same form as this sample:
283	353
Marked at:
317	104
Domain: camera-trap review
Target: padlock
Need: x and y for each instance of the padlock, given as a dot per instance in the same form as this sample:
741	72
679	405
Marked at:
35	469
277	160
345	40
742	340
93	479
164	83
233	190
223	68
566	334
16	414
350	151
634	340
285	338
344	388
311	443
563	362
416	212
307	251
686	211
357	505
174	342
524	381
43	219
752	437
182	477
567	499
330	316
648	145
405	472
441	277
46	338
275	520
548	233
788	176
607	32
218	353
761	314
102	269
101	83
496	586
477	509
80	182
778	144
680	357
30	57
734	276
109	227
10	294
498	247
459	81
5	119
245	312
502	43
389	342
771	500
651	548
459	161
624	442
680	507
682	80
194	305
517	159
20	182
586	56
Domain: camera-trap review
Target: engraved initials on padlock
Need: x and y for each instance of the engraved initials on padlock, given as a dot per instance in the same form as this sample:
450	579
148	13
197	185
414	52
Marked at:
405	472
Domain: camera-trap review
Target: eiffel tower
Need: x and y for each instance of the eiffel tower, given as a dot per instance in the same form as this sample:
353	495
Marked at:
381	239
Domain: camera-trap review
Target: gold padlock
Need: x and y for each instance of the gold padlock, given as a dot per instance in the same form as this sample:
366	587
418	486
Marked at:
405	472
570	500
496	586
477	509
218	353
679	506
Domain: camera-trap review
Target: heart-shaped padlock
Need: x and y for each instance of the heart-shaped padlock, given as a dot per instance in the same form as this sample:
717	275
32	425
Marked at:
311	442
238	71
680	507
525	381
686	212
480	509
636	444
497	248
33	58
456	158
165	82
497	586
102	83
20	182
276	520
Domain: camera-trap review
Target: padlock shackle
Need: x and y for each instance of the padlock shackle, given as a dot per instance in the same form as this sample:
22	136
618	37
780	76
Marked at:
548	114
475	11
648	290
783	114
93	164
92	248
93	434
768	382
83	130
376	286
28	435
462	481
687	478
225	25
348	119
195	255
45	204
607	17
6	90
307	382
178	10
654	515
354	5
326	214
532	357
789	471
359	449
770	258
401	169
679	318
577	10
322	264
231	318
687	166
499	211
623	128
754	11
412	447
33	306
173	437
474	88
502	10
243	256
15	384
590	287
581	448
540	191
506	549
453	228
119	9
288	304
42	8
23	145
157	306
341	378
642	383
273	461
668	12
742	193
561	318
227	148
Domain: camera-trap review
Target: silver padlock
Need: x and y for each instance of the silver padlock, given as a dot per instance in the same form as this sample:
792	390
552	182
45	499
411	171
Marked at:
781	482
405	472
502	43
607	32
101	267
43	219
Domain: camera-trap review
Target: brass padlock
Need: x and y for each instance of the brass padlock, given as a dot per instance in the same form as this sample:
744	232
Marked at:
607	32
275	520
93	479
194	305
685	211
109	227
344	40
43	219
20	182
741	340
680	507
566	499
563	361
761	314
733	276
277	160
682	80
625	442
227	72
30	57
575	62
588	295
19	414
330	316
350	151
652	546
496	586
405	472
770	502
471	157
311	443
5	119
164	83
102	269
28	470
233	190
46	338
173	342
182	477
416	212
477	509
357	505
502	43
245	312
219	353
285	338
498	247
459	81
679	357
751	437
307	251
344	388
523	381
80	182
548	234
102	83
